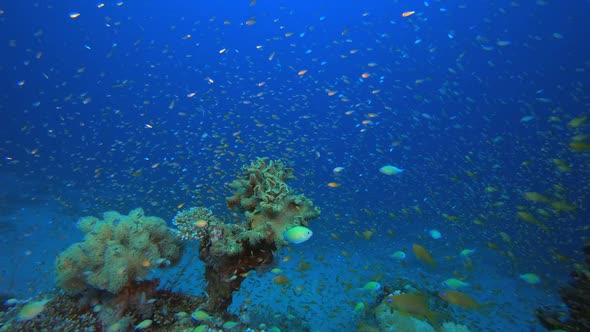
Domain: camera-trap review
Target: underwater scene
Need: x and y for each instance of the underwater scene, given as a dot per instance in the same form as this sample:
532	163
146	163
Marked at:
258	165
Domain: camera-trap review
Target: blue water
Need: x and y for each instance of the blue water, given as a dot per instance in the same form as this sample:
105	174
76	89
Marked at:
158	104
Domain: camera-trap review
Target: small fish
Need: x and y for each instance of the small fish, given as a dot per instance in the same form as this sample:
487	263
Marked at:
423	254
200	315
201	328
466	252
230	324
12	301
181	314
201	223
143	325
577	122
372	286
399	255
359	307
579	146
281	280
530	278
297	234
390	170
163	262
338	169
31	310
434	234
462	300
408	13
536	197
455	283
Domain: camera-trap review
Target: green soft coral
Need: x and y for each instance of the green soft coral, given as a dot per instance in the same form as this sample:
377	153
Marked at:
268	202
116	250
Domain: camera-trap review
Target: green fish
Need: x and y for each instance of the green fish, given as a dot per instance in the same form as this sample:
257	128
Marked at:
467	252
455	283
390	170
359	307
372	286
297	234
530	278
399	255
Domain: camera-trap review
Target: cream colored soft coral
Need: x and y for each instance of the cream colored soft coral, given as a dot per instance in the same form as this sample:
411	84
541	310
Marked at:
116	250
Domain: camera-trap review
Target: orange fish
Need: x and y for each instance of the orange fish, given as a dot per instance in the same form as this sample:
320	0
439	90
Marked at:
423	254
280	280
408	14
201	223
462	300
333	184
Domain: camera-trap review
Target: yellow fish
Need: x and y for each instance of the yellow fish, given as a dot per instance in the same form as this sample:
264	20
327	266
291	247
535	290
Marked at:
31	310
462	300
580	146
577	122
423	254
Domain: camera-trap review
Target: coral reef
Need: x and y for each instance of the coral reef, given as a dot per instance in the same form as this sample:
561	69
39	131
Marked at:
142	306
576	297
268	202
229	250
99	310
192	224
116	251
402	307
102	276
394	320
267	318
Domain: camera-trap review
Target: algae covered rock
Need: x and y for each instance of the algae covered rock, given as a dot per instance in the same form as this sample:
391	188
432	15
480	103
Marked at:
116	250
